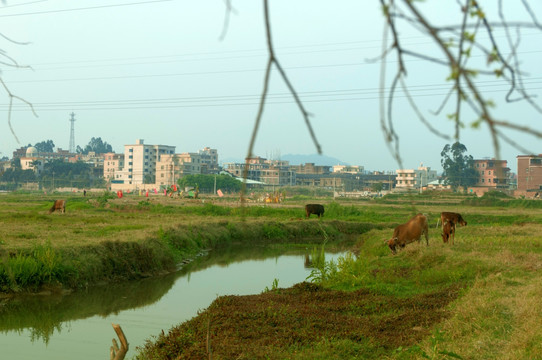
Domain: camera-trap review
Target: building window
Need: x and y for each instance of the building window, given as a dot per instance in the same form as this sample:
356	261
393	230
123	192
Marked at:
130	150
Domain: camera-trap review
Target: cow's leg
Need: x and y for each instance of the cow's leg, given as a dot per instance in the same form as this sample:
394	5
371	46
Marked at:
426	236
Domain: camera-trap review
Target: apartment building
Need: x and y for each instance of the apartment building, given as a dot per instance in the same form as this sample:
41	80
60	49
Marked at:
311	169
409	179
269	172
529	179
140	162
113	164
209	157
348	169
47	156
172	167
492	175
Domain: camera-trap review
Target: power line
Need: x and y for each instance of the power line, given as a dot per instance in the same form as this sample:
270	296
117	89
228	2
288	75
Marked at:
82	9
304	67
219	101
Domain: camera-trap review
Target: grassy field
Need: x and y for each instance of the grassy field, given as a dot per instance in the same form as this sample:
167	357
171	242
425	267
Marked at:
478	299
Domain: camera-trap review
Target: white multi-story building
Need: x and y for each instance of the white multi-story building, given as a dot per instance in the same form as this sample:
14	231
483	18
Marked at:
415	178
140	162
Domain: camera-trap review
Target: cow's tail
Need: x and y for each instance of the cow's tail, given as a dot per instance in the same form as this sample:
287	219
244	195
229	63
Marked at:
438	221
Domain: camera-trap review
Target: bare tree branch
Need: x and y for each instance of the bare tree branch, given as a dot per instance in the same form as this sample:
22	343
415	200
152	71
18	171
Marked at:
273	60
466	89
229	10
11	97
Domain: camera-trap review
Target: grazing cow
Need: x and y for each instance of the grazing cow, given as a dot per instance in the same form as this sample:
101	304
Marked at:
447	231
453	219
409	232
316	209
59	205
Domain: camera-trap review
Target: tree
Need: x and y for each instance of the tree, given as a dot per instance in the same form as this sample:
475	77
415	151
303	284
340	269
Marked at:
47	146
16	163
17	175
58	173
96	145
206	183
458	168
377	187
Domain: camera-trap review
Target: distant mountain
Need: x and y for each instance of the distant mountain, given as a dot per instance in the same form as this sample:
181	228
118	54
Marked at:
299	159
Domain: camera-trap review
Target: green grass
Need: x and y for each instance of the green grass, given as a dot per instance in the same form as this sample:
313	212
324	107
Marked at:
493	272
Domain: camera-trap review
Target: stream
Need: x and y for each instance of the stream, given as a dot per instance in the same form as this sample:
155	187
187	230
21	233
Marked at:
78	325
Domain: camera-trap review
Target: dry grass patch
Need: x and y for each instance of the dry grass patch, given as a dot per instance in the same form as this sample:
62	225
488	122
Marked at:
499	317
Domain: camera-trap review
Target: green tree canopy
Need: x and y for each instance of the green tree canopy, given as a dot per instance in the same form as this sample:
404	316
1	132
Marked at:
58	173
458	168
97	145
206	183
17	175
46	146
377	187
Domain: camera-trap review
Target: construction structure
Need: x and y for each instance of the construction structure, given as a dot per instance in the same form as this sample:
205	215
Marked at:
71	148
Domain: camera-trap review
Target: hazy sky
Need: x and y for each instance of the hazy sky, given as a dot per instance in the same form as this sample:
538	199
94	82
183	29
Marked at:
159	71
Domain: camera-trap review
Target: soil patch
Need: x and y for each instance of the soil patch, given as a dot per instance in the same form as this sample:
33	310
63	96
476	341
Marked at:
258	326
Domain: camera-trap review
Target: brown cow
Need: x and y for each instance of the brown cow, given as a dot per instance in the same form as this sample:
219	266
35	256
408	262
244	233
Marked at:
453	219
409	232
447	231
59	205
316	209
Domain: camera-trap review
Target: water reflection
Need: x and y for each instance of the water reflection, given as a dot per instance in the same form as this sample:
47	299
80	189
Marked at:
149	305
43	315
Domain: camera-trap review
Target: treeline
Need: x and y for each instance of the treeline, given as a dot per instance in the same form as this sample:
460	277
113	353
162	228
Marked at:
56	173
210	183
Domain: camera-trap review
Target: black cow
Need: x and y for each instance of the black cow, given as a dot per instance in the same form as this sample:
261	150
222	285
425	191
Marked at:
316	209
